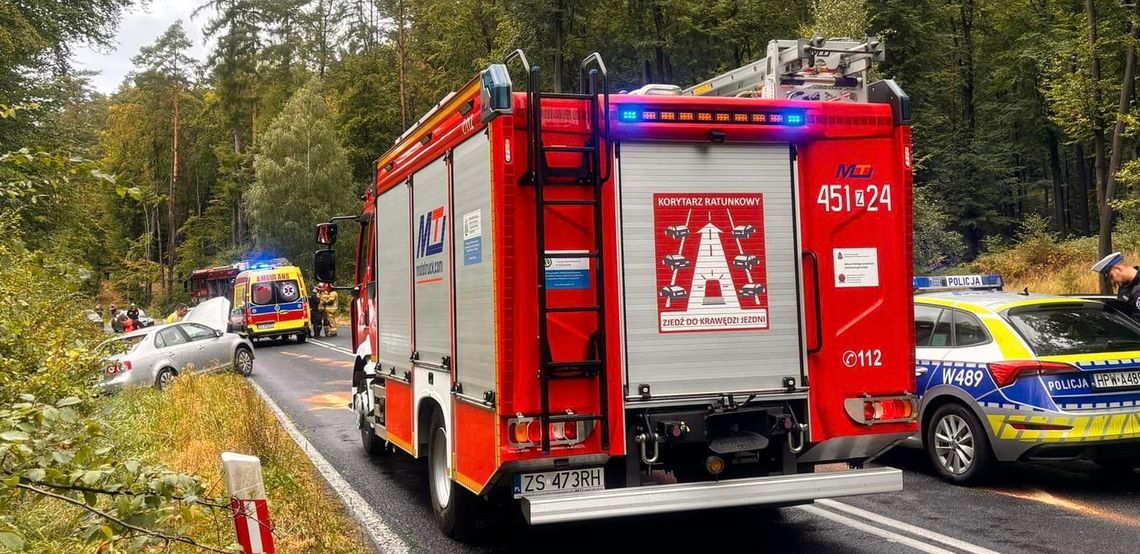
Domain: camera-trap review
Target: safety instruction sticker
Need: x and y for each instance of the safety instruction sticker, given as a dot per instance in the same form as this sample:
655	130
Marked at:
473	237
856	267
567	273
711	262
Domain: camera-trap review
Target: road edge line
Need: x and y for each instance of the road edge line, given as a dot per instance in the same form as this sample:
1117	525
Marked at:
877	531
906	527
383	538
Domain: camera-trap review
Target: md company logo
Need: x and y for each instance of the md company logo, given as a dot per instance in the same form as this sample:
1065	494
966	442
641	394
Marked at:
429	242
854	171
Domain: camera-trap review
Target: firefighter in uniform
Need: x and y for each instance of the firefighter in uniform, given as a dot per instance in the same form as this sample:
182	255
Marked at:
1125	277
329	307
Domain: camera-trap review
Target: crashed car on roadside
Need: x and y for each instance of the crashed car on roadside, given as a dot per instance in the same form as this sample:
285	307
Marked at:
154	356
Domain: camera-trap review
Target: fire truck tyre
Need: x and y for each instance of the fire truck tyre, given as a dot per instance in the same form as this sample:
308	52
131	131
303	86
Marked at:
958	445
243	361
455	507
373	445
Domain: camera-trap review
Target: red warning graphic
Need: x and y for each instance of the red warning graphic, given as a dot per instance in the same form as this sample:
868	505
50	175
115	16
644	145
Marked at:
711	266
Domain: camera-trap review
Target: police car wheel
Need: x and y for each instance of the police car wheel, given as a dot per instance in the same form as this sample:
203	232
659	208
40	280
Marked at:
456	509
958	445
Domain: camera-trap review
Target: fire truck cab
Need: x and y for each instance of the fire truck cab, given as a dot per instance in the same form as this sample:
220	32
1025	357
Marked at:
520	318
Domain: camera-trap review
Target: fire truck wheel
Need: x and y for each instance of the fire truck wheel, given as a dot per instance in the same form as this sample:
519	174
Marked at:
373	445
455	507
958	445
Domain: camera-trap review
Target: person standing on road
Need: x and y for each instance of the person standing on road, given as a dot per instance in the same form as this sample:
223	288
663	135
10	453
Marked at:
1125	277
316	316
133	313
329	307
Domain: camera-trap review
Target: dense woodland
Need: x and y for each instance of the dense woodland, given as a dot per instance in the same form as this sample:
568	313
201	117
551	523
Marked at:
1022	108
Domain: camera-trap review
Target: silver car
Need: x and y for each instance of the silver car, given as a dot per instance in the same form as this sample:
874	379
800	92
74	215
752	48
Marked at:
154	356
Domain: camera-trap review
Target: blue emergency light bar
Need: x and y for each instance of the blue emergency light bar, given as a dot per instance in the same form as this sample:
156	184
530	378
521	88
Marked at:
784	118
971	282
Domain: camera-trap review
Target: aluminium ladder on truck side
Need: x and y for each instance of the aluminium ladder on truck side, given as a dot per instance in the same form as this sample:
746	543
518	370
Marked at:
815	69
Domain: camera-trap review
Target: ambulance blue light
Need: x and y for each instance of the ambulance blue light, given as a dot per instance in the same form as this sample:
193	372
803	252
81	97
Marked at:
794	118
968	282
629	115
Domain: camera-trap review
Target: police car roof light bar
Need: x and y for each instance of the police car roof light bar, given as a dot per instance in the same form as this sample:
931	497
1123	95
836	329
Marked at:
958	282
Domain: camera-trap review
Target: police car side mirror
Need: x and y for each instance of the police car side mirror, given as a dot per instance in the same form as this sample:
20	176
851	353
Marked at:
324	265
326	234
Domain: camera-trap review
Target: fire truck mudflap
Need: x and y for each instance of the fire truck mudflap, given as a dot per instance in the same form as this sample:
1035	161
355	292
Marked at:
783	490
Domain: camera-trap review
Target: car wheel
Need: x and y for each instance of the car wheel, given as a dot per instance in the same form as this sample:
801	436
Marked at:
373	445
243	361
302	337
958	445
455	507
164	379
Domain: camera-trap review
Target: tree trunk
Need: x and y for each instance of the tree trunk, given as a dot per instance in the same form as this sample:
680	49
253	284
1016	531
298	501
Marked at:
559	55
170	216
966	64
1100	161
1059	204
401	61
1083	184
1123	109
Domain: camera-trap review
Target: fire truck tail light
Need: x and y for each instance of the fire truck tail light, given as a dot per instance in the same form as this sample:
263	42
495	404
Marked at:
881	409
1005	373
526	432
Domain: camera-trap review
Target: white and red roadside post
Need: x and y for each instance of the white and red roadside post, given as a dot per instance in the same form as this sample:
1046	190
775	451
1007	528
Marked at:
247	501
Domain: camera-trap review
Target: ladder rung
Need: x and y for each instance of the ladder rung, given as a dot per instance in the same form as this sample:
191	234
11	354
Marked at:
564	255
571	309
587	202
556	366
578	149
568	95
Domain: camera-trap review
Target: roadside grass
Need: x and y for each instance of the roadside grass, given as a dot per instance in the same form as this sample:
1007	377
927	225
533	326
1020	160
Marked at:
187	429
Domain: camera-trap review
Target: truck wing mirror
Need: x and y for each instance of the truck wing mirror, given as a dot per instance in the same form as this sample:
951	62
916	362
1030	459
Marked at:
326	234
324	266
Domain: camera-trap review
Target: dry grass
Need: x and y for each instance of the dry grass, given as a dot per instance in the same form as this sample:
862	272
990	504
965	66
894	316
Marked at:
190	426
1047	266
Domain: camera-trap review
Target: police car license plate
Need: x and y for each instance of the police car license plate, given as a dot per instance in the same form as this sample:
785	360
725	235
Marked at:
550	482
1116	380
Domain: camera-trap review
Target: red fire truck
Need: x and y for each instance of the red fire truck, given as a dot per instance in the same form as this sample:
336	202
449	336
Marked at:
206	283
598	305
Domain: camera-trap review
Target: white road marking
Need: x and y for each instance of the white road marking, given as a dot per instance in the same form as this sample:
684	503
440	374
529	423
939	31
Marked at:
867	528
906	527
370	522
332	346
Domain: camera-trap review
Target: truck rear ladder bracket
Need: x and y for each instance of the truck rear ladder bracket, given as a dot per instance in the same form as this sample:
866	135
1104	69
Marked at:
589	173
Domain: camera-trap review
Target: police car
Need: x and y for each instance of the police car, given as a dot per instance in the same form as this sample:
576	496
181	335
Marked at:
1006	376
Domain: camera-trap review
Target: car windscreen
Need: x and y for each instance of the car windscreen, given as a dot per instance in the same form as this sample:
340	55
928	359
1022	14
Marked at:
1059	329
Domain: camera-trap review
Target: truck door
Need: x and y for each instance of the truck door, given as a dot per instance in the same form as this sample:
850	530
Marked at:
709	258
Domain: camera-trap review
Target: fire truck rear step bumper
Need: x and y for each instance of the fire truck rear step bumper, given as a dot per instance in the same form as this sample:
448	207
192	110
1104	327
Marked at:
757	491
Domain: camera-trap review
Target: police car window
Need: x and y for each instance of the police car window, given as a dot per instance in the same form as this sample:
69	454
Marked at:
941	337
170	336
968	330
287	291
924	319
262	293
1058	329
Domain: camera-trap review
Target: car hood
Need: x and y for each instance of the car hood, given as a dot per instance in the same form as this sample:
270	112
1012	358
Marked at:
213	313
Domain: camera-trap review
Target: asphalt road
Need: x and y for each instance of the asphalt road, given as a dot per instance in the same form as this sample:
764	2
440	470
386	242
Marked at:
1067	507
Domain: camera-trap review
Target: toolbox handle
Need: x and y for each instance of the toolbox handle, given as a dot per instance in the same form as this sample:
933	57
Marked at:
818	305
